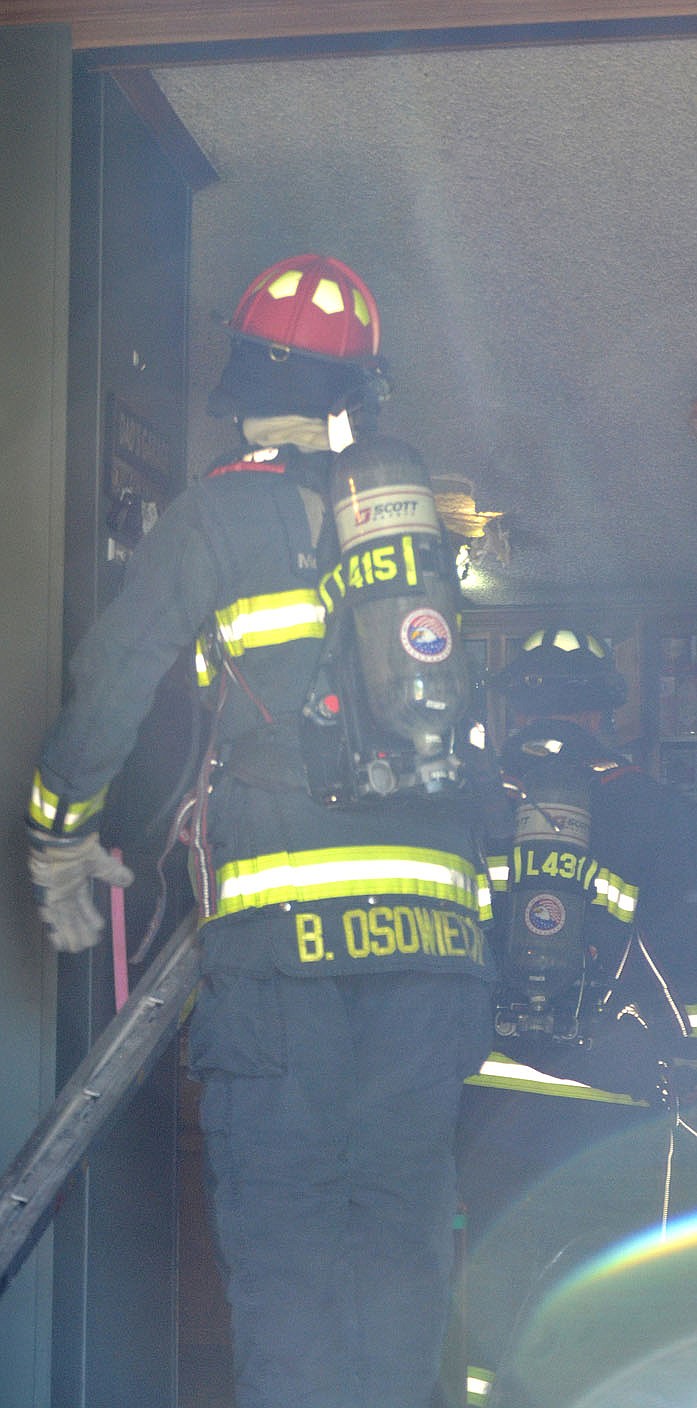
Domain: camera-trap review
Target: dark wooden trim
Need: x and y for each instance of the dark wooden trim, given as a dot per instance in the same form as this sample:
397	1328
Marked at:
99	24
175	140
387	42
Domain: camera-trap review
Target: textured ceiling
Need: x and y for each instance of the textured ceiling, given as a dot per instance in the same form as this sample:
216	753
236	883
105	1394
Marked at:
527	219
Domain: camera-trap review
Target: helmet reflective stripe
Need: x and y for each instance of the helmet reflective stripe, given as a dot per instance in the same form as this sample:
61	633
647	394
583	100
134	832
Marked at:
342	871
566	640
44	804
271	620
327	296
502	1073
616	895
479	1382
285	286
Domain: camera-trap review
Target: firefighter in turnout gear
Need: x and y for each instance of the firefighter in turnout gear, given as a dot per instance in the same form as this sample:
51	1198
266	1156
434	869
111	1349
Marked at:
581	1108
346	975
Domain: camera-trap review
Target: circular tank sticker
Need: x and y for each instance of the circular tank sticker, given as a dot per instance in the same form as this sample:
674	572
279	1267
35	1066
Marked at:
545	915
425	635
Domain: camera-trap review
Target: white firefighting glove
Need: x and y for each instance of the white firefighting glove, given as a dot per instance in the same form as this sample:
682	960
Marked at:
62	870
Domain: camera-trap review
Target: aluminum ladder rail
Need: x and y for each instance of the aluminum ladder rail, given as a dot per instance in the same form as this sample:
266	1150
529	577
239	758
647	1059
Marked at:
32	1188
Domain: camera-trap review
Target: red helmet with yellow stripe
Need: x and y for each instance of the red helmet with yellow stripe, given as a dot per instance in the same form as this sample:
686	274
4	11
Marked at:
305	338
311	303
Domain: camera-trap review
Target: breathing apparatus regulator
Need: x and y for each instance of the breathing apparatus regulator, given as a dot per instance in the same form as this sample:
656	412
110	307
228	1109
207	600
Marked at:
391	698
547	977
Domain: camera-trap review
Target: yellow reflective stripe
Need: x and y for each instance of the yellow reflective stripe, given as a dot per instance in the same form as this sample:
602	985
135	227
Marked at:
498	871
616	895
43	804
409	557
691	1014
346	871
484	898
590	874
335	576
43	807
501	1072
479	1382
205	671
611	892
80	812
271	620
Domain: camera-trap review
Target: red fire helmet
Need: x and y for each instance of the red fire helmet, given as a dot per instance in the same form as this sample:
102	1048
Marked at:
313	303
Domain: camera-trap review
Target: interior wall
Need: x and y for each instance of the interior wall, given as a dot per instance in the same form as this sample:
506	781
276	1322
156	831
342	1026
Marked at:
525	218
35	78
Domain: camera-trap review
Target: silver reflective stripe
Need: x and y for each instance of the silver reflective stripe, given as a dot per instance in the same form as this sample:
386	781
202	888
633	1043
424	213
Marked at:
278	618
352	871
44	804
273	619
479	1384
501	1068
664	985
498	873
502	1073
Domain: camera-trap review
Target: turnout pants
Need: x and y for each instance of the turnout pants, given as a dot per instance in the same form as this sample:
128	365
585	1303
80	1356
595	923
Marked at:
330	1142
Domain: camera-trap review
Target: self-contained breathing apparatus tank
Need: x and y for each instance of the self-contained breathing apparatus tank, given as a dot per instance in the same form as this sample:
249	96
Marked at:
546	967
543	958
394	669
